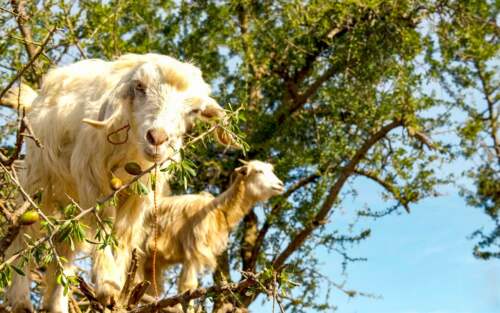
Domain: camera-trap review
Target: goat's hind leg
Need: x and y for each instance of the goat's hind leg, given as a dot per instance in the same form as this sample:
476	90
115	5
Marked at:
18	294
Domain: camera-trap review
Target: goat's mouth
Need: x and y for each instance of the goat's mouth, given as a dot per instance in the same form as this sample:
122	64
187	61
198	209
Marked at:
278	189
155	154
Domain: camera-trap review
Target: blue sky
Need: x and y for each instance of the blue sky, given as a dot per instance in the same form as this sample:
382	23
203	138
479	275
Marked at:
417	263
422	262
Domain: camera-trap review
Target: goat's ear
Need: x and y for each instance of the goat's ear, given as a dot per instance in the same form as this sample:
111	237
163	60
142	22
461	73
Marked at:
226	138
102	121
207	109
242	170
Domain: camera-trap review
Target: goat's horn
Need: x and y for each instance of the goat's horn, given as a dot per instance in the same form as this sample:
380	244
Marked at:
94	123
243	161
101	122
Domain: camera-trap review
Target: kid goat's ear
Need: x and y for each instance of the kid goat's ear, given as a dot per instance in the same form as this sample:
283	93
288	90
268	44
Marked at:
243	170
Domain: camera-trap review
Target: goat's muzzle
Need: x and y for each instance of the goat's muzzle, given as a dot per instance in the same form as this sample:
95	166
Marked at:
156	136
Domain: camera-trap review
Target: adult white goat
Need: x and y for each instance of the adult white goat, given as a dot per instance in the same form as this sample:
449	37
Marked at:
194	229
152	98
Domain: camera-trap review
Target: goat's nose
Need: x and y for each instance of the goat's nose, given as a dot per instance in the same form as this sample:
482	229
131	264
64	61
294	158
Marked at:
156	136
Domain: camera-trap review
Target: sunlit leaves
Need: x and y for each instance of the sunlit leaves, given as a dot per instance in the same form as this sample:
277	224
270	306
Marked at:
183	170
265	68
66	281
139	188
467	66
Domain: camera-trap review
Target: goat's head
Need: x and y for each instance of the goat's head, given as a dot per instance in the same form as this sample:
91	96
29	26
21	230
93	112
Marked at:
159	99
260	180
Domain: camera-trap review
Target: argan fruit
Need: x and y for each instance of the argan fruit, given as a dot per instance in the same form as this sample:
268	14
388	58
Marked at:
133	168
29	217
115	183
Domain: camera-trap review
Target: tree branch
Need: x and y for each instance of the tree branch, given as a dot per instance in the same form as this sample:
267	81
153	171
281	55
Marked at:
273	214
198	293
14	227
492	114
31	62
303	97
248	239
386	185
334	191
132	270
71	29
21	17
24	130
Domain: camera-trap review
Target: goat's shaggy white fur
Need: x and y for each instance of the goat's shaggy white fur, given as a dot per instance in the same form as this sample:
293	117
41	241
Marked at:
147	92
194	229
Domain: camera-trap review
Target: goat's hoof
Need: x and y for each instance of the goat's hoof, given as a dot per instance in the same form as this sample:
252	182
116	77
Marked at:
107	293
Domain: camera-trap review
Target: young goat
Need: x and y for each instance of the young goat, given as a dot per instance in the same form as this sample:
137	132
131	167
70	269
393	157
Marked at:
194	229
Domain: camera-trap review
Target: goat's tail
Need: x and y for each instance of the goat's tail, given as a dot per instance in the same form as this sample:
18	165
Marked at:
19	96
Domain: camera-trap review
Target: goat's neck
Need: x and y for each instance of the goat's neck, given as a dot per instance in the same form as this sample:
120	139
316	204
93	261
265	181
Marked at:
235	202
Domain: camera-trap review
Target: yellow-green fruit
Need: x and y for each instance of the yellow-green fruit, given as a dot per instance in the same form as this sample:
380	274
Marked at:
116	183
29	217
133	168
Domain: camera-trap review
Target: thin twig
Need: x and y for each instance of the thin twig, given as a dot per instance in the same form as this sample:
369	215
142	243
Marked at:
37	53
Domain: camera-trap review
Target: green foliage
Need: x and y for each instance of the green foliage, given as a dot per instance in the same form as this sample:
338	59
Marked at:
5	276
467	66
72	231
183	171
66	281
104	237
139	188
310	83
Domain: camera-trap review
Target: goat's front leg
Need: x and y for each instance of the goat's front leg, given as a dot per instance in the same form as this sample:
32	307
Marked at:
110	267
188	280
54	299
18	293
145	272
105	276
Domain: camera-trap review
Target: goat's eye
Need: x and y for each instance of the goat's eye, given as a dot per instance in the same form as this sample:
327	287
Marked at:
140	88
259	171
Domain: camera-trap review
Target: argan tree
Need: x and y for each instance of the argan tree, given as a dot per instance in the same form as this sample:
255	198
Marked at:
329	91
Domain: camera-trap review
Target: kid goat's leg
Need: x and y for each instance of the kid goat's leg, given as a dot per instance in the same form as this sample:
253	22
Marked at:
188	280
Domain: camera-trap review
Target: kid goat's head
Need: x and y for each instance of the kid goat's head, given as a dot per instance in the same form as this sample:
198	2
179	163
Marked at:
158	99
260	180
